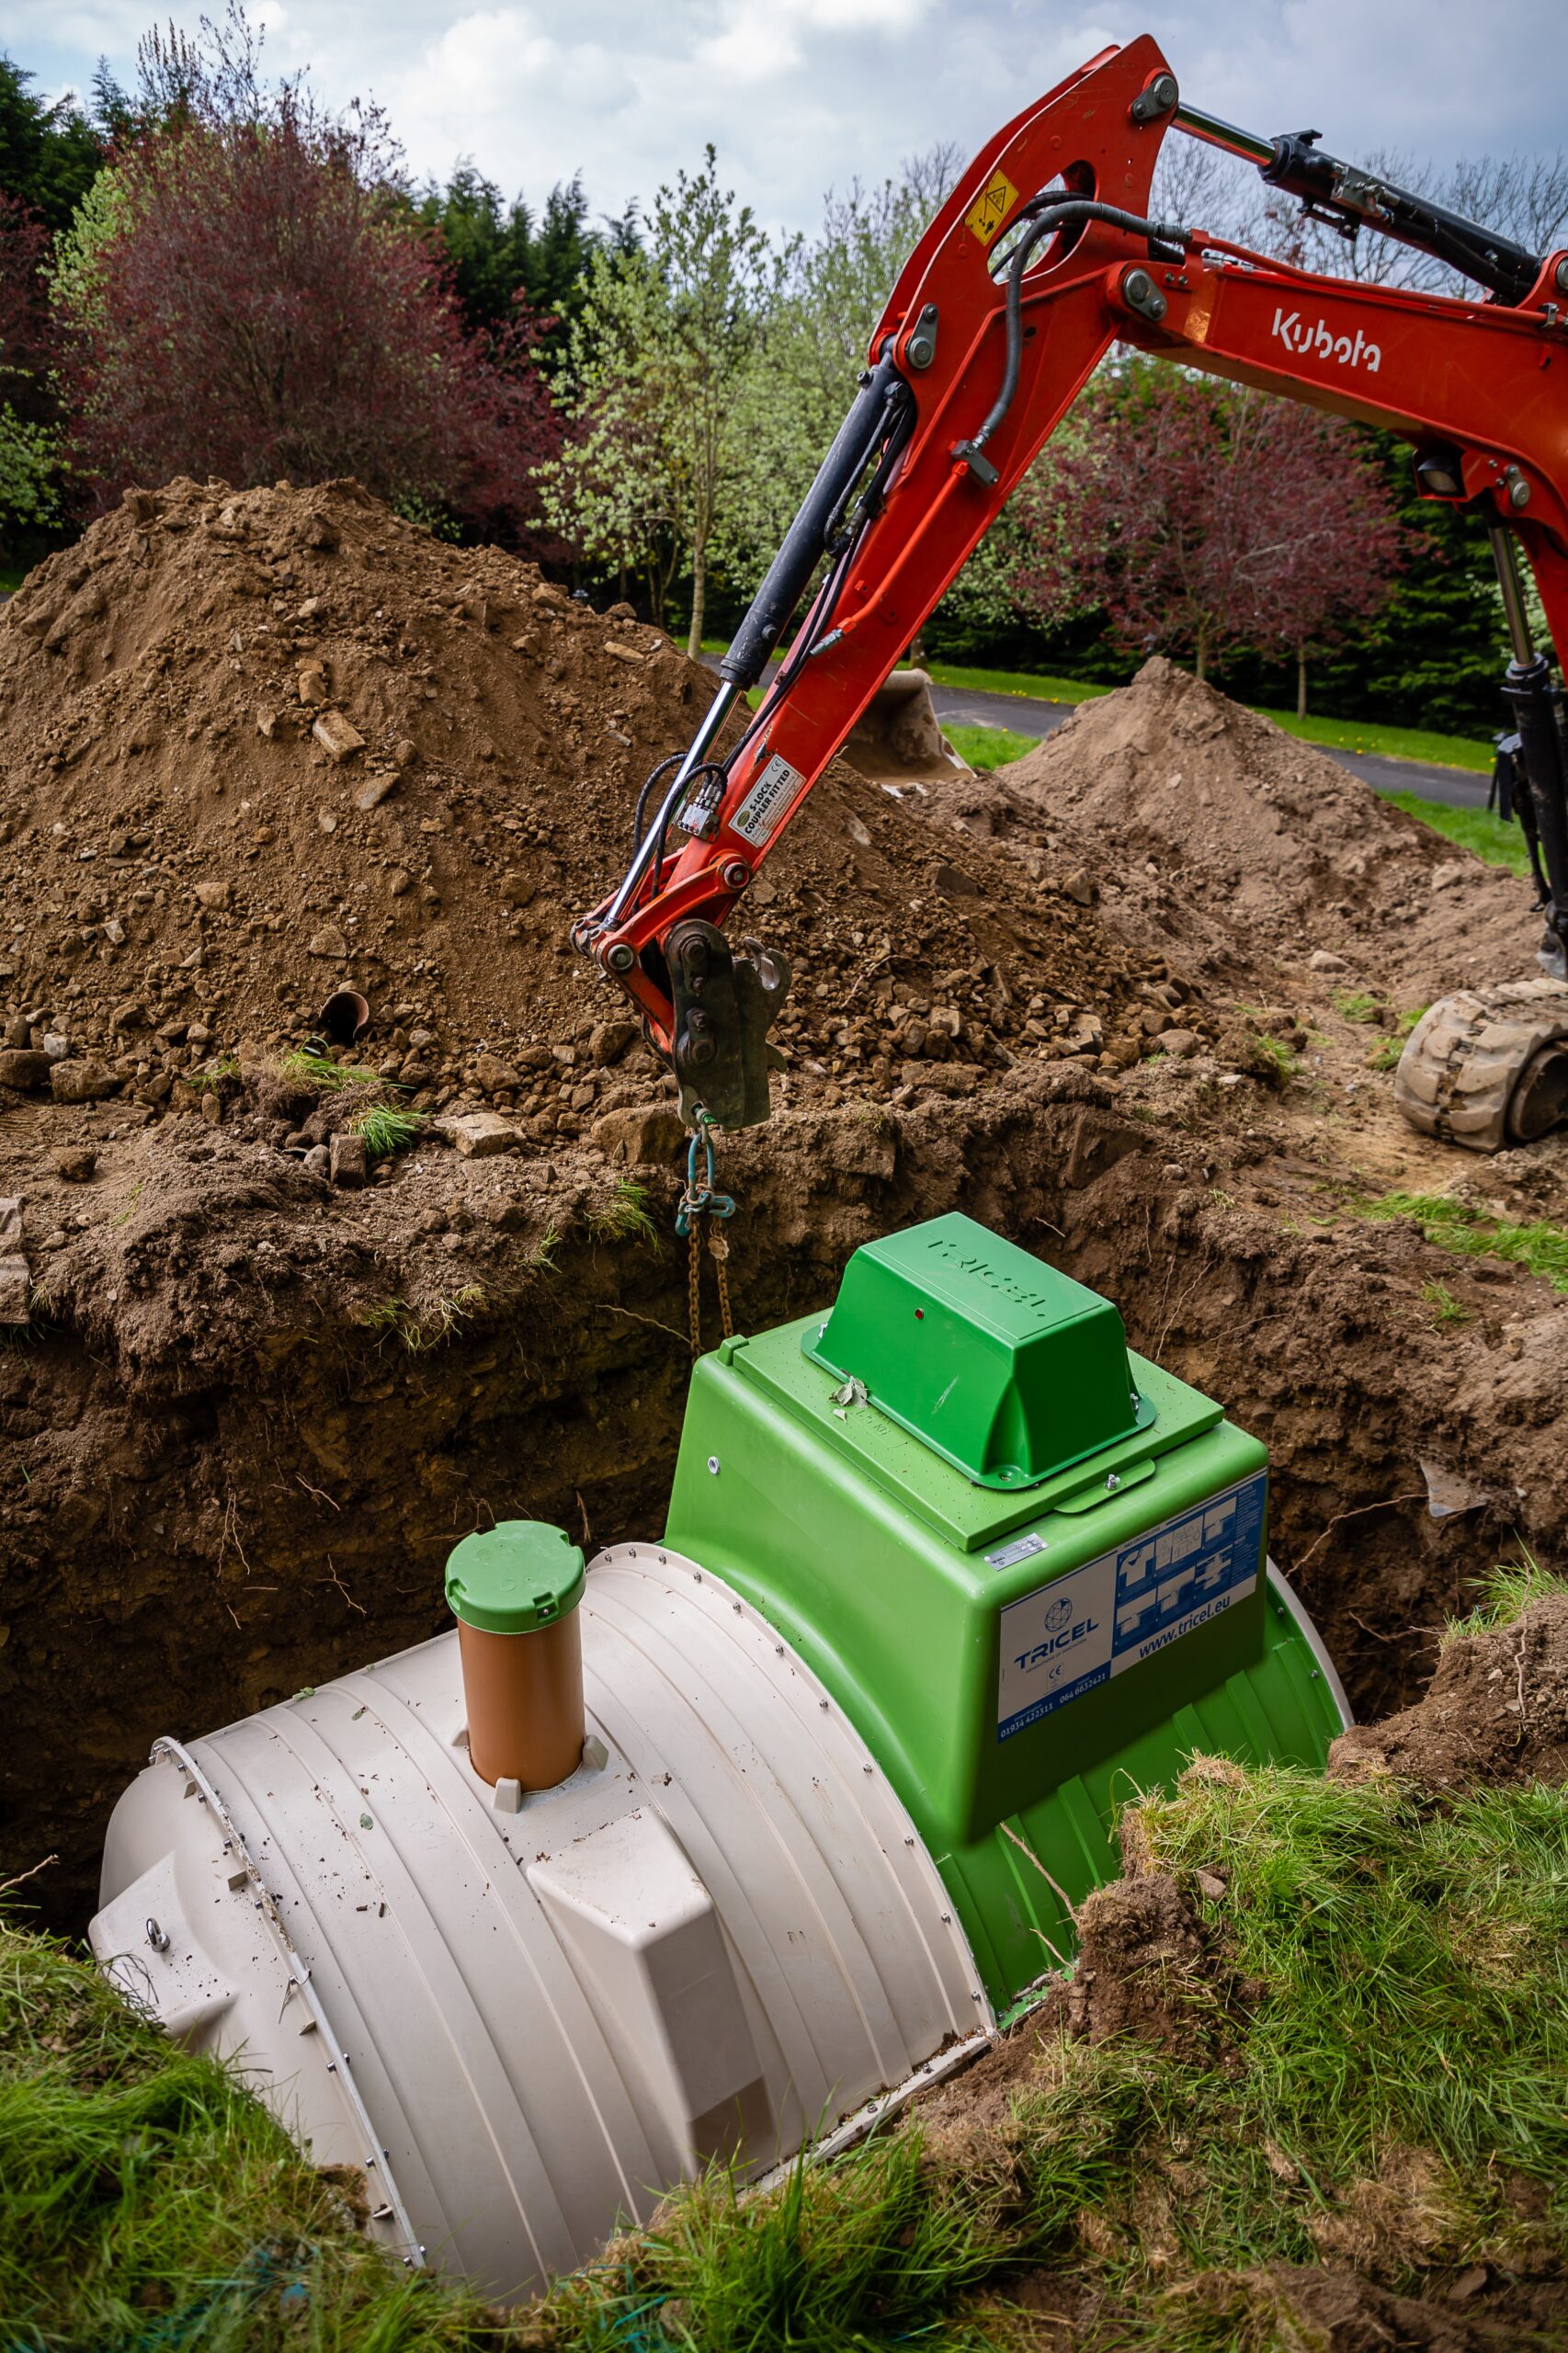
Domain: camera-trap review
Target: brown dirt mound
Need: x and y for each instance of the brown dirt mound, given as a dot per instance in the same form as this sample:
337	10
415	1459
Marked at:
256	747
1208	823
1497	1709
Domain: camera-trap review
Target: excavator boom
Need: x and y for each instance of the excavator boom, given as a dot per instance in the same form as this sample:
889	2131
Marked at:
1040	259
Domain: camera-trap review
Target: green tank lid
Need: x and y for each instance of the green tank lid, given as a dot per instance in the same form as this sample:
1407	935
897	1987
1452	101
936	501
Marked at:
514	1577
1007	1370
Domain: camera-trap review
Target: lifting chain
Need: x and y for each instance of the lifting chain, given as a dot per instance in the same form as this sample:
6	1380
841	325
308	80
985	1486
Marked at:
701	1199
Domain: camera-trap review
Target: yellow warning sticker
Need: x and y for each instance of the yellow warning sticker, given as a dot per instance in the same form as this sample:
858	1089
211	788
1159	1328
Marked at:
985	217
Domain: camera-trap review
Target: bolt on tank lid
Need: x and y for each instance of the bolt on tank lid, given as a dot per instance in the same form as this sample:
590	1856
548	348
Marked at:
514	1577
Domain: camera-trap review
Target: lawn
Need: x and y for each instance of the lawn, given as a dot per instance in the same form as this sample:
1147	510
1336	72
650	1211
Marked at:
988	747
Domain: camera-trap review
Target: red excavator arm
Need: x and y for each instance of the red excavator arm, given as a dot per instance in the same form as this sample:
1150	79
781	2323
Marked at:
1041	258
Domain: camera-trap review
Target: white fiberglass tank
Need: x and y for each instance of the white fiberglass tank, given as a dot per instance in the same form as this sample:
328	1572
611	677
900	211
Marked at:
525	2016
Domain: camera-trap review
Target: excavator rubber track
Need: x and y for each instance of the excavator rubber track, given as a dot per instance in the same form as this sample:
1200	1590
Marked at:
1488	1068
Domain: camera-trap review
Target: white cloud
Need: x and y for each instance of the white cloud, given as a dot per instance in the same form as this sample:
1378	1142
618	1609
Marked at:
798	95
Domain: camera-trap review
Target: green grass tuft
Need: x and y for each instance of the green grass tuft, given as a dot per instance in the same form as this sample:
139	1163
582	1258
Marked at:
1449	1309
421	1329
1506	1592
148	2201
624	1216
1357	1005
1453	1225
320	1070
1400	2040
386	1127
1388	1054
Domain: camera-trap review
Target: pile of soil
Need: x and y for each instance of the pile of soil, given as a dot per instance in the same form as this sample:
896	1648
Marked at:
1496	1711
258	747
1209	826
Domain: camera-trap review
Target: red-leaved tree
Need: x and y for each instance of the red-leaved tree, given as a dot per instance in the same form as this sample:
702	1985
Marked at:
247	296
1207	517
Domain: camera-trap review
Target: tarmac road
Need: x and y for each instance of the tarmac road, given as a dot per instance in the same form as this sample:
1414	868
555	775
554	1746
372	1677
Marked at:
1025	715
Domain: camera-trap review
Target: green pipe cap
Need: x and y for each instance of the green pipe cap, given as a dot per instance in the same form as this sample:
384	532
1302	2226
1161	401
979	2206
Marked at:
514	1578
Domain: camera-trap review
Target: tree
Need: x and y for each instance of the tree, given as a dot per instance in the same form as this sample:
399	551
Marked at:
1207	516
831	290
243	295
501	254
50	155
32	468
657	357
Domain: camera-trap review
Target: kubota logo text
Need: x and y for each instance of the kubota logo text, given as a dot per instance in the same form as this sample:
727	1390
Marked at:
1317	335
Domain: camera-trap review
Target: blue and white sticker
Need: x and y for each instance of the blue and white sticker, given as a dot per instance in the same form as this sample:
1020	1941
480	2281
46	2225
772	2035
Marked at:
1065	1638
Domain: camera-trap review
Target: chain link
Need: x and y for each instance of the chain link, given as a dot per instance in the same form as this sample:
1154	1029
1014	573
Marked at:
718	1243
694	1292
700	1199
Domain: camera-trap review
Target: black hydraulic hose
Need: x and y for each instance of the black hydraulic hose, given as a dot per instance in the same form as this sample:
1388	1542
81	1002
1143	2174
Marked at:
673	761
1167	242
863	430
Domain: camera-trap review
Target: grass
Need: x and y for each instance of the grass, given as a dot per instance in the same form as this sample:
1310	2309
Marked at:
989	747
1506	1592
1453	1225
421	1329
320	1070
386	1127
624	1216
1377	2065
1357	1005
1447	1308
1388	1054
1480	830
1033	687
147	2201
1398	2052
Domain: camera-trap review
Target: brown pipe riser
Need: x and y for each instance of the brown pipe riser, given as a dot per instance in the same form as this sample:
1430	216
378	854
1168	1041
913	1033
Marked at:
524	1696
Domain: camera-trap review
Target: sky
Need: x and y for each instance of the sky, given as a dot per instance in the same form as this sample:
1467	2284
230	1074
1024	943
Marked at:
799	96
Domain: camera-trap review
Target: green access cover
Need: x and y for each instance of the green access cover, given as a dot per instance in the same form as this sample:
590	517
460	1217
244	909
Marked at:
1007	1370
514	1577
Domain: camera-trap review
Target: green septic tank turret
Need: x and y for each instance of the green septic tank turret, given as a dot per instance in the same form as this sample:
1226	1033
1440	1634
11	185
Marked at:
1028	1564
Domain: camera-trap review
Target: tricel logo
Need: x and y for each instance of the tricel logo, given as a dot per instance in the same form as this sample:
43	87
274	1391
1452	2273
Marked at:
1061	1634
1317	336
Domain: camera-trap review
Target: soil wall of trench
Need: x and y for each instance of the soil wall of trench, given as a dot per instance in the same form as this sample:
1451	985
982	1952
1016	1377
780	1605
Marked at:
258	1415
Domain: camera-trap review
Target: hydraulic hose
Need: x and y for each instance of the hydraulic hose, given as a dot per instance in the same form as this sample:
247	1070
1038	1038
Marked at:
872	415
1167	242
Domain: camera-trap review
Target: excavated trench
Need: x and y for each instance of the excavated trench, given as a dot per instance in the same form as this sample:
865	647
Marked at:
256	1433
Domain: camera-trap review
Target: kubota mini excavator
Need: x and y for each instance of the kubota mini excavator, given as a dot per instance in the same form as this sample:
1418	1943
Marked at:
1039	260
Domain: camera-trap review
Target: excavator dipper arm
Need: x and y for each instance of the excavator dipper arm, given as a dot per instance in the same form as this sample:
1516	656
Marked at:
1040	259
